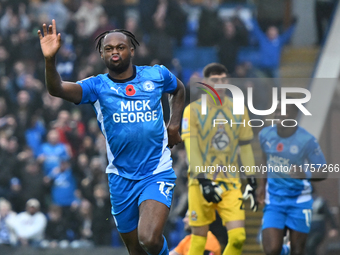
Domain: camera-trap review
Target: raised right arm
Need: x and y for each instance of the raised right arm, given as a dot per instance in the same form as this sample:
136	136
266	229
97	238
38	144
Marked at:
50	44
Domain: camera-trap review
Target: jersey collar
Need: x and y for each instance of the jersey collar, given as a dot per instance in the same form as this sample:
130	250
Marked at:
125	80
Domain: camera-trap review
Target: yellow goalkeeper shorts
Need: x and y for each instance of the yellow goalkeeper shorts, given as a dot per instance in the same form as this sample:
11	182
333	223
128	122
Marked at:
202	213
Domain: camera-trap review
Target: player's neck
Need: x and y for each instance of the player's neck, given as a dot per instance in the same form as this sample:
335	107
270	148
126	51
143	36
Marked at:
128	73
285	131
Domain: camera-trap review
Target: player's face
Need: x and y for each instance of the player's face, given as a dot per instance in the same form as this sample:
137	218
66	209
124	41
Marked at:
217	79
117	52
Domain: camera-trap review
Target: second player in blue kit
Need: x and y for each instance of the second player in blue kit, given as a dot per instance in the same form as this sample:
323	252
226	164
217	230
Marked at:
288	153
127	102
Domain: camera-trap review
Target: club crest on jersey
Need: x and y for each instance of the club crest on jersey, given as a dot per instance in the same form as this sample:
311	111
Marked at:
130	90
148	86
279	147
294	149
193	216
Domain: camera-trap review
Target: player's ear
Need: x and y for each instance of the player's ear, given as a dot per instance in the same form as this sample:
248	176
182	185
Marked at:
132	50
101	54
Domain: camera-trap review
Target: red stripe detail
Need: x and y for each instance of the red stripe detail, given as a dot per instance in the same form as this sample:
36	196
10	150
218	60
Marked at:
212	89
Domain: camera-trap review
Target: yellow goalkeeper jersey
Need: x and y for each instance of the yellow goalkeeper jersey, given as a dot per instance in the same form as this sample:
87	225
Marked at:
218	134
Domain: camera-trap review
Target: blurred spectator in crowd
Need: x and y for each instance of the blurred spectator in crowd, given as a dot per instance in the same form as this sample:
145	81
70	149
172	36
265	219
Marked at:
51	108
11	155
55	9
27	182
17	52
212	246
89	13
96	176
35	133
81	167
233	38
104	25
6	170
4	61
29	226
22	112
63	185
56	230
11	22
101	215
6	215
92	128
160	45
66	62
87	147
116	11
84	226
323	12
71	129
52	152
271	44
320	217
210	25
142	55
164	15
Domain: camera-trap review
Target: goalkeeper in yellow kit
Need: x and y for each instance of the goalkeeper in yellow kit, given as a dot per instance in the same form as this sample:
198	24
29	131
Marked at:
210	148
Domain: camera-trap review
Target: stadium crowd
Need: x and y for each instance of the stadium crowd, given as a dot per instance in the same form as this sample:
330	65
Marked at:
52	153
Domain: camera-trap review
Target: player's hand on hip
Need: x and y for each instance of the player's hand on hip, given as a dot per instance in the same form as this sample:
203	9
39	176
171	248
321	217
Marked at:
210	190
50	42
173	136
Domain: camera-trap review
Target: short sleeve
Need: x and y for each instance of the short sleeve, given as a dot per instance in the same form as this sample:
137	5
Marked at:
246	132
89	94
170	80
314	153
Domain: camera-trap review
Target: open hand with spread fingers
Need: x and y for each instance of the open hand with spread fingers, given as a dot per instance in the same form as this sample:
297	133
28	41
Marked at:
50	42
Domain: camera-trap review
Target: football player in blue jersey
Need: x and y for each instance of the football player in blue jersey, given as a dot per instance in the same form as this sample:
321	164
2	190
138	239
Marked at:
292	156
129	113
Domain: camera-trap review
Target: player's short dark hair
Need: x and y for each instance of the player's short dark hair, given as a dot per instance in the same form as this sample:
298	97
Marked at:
130	35
214	69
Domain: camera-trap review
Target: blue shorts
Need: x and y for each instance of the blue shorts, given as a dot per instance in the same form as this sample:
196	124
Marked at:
297	218
126	196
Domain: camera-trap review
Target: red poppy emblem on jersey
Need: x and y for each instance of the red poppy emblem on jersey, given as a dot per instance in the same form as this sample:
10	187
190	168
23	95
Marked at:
130	90
279	147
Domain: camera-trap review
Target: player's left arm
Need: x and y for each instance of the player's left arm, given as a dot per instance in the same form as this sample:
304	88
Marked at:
176	102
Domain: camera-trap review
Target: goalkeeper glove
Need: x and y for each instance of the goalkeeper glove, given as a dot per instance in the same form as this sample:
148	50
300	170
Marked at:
249	192
210	190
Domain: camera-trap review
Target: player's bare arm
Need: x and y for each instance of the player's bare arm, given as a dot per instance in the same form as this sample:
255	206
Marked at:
176	102
50	43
